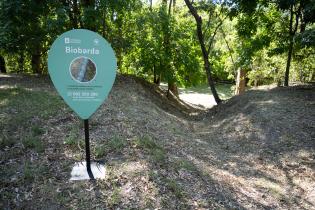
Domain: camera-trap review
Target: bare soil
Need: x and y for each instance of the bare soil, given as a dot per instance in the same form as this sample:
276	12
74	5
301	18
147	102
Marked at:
255	151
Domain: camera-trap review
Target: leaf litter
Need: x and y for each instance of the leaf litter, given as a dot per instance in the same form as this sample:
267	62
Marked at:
255	151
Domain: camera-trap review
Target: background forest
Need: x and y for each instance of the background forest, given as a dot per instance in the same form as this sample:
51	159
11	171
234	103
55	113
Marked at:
265	41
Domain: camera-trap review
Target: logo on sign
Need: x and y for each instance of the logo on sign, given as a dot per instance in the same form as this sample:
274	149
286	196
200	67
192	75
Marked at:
72	41
96	41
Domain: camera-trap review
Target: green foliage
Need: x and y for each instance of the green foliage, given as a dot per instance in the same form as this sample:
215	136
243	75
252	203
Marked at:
160	43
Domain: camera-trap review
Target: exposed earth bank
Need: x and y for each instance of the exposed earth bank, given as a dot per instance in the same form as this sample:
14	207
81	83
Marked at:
255	151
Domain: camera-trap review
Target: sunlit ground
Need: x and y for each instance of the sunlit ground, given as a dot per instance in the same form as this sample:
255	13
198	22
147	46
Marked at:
202	95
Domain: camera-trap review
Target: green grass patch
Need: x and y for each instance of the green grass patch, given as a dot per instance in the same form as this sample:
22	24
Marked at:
147	143
185	164
115	197
33	142
158	156
23	105
28	174
31	171
173	186
115	144
72	138
6	141
37	130
156	152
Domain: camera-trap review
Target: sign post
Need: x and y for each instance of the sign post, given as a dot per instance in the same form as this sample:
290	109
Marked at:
82	66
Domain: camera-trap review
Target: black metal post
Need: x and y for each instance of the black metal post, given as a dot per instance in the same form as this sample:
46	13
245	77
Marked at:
87	149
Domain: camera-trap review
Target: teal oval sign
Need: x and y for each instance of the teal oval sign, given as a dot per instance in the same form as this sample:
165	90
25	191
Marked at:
82	66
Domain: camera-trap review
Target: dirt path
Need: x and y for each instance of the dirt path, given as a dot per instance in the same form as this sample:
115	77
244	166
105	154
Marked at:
256	151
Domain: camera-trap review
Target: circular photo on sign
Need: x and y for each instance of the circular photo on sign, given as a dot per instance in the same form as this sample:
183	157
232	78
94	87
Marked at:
82	69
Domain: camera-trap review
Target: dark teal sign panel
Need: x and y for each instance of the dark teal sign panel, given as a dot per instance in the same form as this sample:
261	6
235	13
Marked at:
82	66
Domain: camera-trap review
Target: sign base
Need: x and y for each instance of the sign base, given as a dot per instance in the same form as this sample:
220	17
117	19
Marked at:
79	171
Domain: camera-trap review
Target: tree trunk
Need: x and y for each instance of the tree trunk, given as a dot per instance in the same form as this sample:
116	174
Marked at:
171	79
229	49
2	65
240	82
35	61
205	53
287	69
172	87
87	6
292	32
73	12
21	62
119	47
156	77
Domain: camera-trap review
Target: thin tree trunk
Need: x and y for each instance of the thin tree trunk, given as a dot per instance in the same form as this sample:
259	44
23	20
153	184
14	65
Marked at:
229	49
119	49
73	12
292	33
156	77
104	23
87	5
2	65
171	80
287	70
169	8
35	61
205	53
21	62
240	82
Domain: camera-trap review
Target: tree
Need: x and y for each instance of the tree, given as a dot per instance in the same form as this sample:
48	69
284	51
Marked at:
205	52
301	13
2	65
22	32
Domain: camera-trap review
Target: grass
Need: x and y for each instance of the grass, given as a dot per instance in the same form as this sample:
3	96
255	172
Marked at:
28	175
37	130
156	152
174	187
273	188
6	141
185	164
115	197
33	142
21	106
115	144
72	138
